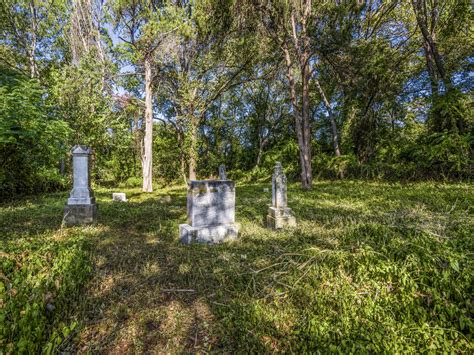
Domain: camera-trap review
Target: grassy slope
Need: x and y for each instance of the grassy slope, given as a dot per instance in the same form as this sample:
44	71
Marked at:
370	266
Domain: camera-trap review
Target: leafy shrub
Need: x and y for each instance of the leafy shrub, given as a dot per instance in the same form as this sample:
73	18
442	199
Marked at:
449	112
31	140
435	156
446	155
133	182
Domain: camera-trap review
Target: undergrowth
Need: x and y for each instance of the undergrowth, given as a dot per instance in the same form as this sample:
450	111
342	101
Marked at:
371	267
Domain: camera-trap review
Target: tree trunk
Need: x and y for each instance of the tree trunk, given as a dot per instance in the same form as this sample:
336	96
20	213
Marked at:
137	140
301	125
32	51
62	167
431	50
301	43
182	156
335	135
427	21
148	139
100	50
431	70
180	129
308	179
434	82
193	148
261	144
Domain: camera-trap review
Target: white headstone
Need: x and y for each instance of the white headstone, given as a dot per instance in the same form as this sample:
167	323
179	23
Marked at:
81	207
119	196
81	193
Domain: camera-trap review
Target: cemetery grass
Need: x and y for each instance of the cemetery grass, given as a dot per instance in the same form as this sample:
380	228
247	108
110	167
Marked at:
370	267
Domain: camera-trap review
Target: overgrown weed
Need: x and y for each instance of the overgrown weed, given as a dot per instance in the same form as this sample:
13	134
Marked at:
371	267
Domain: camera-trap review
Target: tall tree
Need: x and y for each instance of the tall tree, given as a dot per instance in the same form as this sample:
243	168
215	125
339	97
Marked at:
199	69
287	24
28	28
433	18
143	27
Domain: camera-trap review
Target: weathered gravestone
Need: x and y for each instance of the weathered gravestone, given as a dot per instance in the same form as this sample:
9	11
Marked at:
119	196
222	174
81	207
211	212
279	215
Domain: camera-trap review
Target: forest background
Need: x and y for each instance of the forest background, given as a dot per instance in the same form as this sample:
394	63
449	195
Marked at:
165	91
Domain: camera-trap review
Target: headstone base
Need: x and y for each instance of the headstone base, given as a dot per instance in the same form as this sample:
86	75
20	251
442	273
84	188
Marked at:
279	218
80	214
209	235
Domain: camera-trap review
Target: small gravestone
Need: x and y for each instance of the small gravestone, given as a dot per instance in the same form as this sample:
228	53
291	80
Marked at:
222	174
211	212
119	196
81	207
265	189
279	215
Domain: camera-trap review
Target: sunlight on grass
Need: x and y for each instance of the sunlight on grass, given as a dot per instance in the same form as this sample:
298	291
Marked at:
369	267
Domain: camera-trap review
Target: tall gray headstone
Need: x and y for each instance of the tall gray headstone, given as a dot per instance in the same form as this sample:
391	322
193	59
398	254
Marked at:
279	215
81	207
211	212
222	174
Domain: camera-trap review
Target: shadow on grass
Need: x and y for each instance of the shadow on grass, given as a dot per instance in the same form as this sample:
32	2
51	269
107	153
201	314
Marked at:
268	291
31	216
152	293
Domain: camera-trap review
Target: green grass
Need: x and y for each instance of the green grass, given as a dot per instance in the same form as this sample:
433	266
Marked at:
370	267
